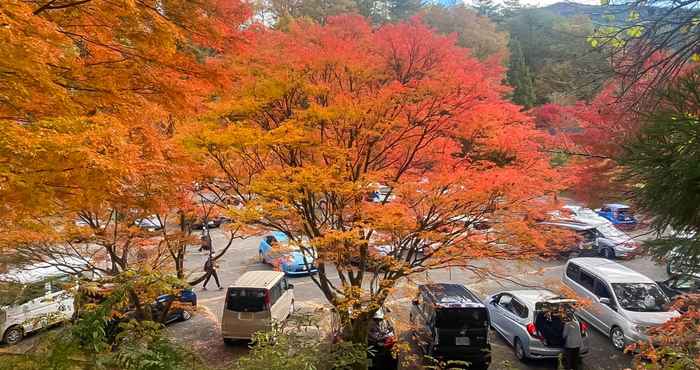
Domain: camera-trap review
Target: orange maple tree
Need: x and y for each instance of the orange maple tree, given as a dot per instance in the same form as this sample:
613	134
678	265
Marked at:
92	94
326	115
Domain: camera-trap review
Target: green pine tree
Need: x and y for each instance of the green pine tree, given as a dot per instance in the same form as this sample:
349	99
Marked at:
519	76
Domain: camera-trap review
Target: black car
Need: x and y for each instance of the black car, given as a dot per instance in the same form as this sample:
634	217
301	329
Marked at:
680	284
451	323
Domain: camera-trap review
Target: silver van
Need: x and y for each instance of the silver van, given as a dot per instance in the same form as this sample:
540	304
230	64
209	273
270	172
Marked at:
254	302
624	303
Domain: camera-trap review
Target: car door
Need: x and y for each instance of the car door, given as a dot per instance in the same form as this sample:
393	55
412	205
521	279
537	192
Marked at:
607	313
40	311
420	312
573	281
513	318
501	309
594	309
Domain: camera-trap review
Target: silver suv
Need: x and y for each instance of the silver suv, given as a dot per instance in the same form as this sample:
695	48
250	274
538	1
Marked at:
624	303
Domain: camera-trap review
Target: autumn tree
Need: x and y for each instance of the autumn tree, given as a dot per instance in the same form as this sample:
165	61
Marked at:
330	113
93	93
474	32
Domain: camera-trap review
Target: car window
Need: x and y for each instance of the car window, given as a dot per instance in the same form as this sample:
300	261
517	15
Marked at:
455	318
270	240
640	297
275	293
601	289
505	301
587	280
572	271
605	209
688	282
246	300
518	308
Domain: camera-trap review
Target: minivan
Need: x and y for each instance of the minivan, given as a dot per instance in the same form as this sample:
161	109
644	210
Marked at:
254	302
31	299
624	304
451	323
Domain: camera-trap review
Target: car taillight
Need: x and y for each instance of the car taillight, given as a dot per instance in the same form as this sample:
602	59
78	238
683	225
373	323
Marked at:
267	299
584	328
436	340
532	330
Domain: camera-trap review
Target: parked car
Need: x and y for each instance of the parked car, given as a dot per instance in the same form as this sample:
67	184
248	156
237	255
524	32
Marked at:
679	285
177	311
253	302
276	250
619	214
679	262
451	323
31	299
586	235
524	319
624	303
609	241
150	223
212	222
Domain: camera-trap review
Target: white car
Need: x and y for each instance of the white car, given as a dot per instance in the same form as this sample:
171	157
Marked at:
150	223
33	299
609	241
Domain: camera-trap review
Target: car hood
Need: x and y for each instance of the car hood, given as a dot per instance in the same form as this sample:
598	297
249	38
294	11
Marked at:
651	318
297	258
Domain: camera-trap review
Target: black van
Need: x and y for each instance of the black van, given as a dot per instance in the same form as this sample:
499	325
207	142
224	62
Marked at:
451	323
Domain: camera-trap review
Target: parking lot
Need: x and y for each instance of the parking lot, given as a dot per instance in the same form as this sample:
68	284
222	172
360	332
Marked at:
202	331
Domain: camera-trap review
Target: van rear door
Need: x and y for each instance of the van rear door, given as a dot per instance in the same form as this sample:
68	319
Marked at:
246	310
462	328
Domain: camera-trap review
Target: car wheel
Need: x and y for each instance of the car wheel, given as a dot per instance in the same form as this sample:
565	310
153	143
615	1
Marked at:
186	315
608	253
519	350
617	337
13	335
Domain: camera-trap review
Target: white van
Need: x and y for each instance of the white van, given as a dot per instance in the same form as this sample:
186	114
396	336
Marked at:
254	302
33	298
624	303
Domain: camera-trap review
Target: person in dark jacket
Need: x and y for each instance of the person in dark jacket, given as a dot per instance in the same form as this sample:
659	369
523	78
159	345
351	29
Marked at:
572	343
210	269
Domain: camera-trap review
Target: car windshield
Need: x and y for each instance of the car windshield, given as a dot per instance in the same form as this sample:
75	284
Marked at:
245	300
456	318
610	231
640	297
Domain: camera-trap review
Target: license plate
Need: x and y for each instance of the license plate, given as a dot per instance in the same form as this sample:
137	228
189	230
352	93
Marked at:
246	315
462	341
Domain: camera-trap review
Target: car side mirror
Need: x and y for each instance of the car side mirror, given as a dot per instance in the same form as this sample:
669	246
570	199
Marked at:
290	286
606	301
415	302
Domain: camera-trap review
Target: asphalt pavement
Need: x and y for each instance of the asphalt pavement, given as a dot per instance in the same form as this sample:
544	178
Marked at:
243	256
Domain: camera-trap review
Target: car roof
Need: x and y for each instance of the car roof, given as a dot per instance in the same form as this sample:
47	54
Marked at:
531	296
574	225
258	279
280	236
610	271
616	205
451	295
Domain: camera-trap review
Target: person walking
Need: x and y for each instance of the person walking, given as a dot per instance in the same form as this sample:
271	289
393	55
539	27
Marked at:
572	342
210	269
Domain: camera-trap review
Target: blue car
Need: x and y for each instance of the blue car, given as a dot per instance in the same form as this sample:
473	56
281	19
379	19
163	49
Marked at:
619	214
276	250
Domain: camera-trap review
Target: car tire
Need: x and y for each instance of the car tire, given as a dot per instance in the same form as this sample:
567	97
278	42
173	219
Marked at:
13	335
617	338
185	315
519	350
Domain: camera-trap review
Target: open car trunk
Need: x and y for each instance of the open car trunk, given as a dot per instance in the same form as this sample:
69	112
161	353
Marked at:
548	320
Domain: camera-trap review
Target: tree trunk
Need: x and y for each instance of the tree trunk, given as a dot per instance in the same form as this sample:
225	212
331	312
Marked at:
355	330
